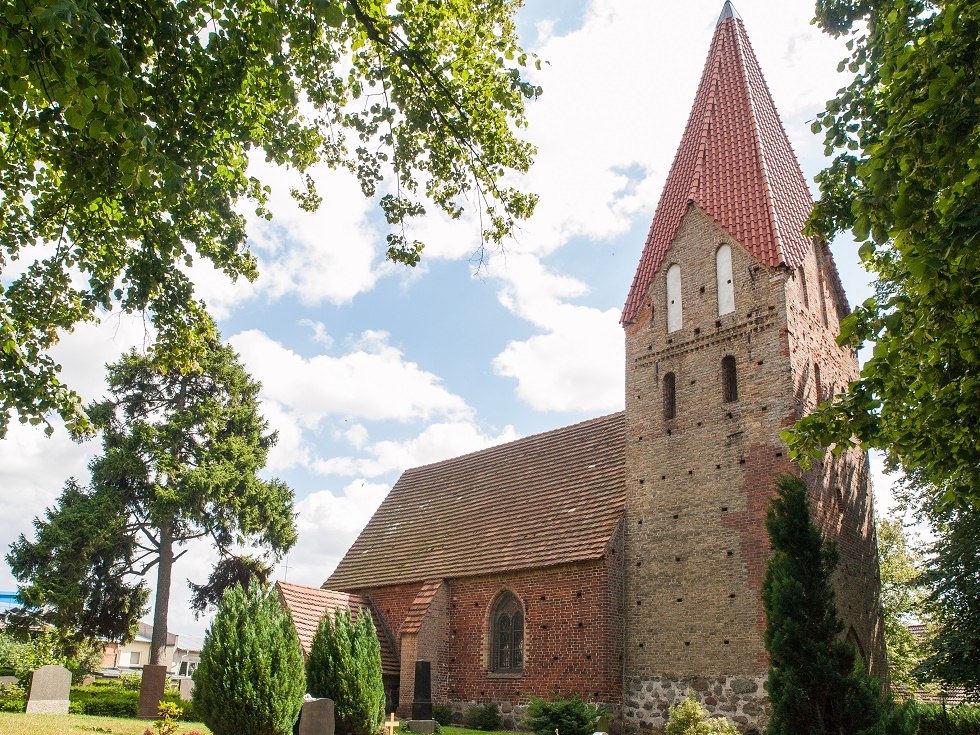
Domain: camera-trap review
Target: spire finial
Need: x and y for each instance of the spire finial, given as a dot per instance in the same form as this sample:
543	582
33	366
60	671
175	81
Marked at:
727	11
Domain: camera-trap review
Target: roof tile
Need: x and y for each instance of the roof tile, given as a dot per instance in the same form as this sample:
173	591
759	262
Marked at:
547	499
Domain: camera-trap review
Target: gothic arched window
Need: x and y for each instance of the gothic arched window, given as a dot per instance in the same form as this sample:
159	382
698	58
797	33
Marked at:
675	311
723	275
507	634
729	379
670	396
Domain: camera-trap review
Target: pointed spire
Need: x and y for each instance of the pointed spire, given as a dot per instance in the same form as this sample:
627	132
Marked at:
734	162
727	11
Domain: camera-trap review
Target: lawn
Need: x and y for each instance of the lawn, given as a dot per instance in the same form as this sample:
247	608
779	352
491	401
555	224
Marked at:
21	724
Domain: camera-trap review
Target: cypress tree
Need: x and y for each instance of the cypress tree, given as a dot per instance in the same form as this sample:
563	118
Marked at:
250	680
817	685
345	665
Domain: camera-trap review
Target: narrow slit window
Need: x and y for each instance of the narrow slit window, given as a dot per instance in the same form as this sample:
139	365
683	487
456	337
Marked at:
729	378
723	275
803	290
818	388
675	313
670	396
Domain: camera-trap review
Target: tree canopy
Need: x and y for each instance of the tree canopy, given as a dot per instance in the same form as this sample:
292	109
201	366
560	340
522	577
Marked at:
180	457
905	180
126	131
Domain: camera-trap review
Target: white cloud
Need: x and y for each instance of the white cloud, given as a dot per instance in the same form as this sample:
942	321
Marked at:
328	523
373	382
436	442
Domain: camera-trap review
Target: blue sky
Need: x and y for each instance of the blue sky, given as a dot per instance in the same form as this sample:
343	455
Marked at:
369	368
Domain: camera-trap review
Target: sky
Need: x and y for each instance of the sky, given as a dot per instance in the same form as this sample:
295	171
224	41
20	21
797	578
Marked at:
369	368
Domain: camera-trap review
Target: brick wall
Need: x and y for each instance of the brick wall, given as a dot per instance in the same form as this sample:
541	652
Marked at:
572	638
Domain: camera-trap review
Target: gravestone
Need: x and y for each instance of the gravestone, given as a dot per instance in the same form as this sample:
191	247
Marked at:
422	721
50	688
186	689
316	717
6	681
151	691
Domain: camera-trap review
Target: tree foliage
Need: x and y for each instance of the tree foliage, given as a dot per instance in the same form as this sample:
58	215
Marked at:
126	131
905	181
231	570
817	683
902	602
250	680
345	666
952	578
181	453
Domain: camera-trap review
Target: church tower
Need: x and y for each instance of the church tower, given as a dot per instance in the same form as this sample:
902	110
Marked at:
730	338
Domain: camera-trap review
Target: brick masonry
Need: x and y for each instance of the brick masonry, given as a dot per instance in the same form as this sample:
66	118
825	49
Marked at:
572	639
698	484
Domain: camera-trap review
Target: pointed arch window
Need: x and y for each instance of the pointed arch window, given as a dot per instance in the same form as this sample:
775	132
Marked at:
675	310
723	276
729	379
507	635
670	396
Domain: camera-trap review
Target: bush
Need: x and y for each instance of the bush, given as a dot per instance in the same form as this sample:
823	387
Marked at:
482	717
691	718
442	713
571	716
106	701
345	665
250	680
13	698
963	719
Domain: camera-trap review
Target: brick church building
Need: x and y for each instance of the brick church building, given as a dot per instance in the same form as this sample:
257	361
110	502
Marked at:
622	558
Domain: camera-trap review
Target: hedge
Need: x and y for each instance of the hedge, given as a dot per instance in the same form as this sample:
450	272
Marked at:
114	701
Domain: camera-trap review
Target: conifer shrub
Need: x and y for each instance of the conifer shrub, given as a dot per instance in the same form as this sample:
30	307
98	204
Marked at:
691	718
442	713
569	716
250	680
817	684
345	666
482	717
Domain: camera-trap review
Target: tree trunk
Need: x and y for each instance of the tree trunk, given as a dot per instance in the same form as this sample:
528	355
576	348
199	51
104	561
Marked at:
161	607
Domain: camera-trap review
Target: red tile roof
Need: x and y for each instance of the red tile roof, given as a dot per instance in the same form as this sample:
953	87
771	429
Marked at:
413	621
308	605
735	163
548	499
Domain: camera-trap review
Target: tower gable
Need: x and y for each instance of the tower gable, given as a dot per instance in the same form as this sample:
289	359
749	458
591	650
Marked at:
735	163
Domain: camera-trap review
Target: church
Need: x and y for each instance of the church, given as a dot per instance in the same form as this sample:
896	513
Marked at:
622	558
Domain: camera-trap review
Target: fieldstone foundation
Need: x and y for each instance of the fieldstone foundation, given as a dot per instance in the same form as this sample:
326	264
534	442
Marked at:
741	699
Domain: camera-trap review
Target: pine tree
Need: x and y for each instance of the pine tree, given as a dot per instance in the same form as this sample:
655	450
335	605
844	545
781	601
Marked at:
817	684
250	680
345	665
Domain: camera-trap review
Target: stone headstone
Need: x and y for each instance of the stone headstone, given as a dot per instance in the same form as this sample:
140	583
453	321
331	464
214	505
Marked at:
151	691
186	689
50	688
316	717
424	727
6	681
422	704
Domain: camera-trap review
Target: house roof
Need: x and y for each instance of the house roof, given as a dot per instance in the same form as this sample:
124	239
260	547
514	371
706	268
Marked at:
547	499
735	163
308	605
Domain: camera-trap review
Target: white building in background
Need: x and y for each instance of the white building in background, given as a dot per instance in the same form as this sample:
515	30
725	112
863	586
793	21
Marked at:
181	655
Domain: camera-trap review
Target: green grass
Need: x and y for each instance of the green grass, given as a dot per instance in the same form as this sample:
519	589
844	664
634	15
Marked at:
453	730
21	724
